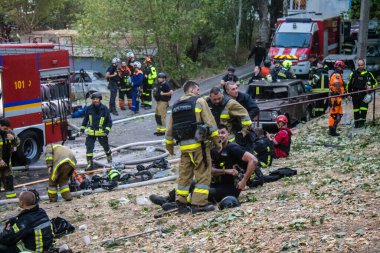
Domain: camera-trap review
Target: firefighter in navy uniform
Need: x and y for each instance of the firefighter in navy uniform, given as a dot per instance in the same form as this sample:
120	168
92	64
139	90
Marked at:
229	112
360	79
286	71
97	121
61	164
263	148
162	94
114	81
191	125
125	86
150	75
273	76
8	142
313	65
320	86
29	231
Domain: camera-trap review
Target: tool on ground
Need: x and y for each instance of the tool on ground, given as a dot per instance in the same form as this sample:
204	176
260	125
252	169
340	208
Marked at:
112	241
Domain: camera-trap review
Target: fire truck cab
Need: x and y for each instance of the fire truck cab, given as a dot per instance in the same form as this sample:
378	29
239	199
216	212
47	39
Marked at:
299	36
35	96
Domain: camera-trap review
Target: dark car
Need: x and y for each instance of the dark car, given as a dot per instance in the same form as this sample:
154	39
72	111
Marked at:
372	57
268	96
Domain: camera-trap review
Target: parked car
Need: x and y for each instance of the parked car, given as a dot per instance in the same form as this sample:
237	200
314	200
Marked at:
285	92
349	60
84	82
372	57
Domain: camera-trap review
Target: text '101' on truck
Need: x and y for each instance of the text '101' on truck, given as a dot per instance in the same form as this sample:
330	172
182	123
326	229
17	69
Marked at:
299	36
35	96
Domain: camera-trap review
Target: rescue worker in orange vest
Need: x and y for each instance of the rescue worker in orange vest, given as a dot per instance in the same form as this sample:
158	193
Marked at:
360	79
336	88
8	142
162	93
192	125
150	75
125	86
61	164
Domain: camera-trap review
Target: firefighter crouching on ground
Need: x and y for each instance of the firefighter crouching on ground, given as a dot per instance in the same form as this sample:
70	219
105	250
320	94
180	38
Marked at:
283	139
263	148
61	164
360	79
191	125
336	88
125	86
229	112
8	142
150	75
97	121
320	86
30	230
162	94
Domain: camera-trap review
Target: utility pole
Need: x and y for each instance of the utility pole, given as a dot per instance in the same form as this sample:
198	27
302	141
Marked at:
363	28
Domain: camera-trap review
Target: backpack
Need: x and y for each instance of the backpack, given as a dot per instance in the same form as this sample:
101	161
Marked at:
184	120
61	227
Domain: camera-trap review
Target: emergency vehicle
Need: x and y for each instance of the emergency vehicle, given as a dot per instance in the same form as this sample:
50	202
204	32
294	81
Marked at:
35	96
299	36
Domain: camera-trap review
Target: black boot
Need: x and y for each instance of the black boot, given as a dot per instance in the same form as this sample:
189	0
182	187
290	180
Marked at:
158	200
169	206
332	131
183	208
90	164
199	209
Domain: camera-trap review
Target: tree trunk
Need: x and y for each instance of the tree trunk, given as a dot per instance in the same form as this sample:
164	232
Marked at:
238	28
264	27
156	35
285	8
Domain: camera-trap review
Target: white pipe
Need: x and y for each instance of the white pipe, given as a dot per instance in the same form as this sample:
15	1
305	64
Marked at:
99	190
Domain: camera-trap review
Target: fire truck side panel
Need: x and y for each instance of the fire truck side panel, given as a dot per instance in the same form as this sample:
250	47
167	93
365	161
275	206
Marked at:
21	90
55	59
53	130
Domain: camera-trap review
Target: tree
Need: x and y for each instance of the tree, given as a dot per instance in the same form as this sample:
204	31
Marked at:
374	11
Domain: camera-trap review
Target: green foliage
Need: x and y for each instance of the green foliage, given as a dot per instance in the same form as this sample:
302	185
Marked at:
374	11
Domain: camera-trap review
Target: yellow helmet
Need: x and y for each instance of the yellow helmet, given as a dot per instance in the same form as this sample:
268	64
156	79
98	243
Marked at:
286	64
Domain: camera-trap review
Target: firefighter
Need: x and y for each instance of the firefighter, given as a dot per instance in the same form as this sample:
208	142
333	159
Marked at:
320	86
97	121
130	60
273	77
192	125
29	231
283	139
263	148
137	79
259	52
61	164
229	112
244	99
336	86
162	94
125	86
150	75
360	79
113	84
265	70
8	142
286	71
313	65
257	75
229	77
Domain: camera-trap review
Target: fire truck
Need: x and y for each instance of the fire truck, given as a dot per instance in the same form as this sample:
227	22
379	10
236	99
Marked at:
35	96
299	36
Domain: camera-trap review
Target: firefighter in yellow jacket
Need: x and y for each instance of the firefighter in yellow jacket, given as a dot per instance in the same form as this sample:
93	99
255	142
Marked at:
61	164
150	75
192	125
8	141
230	113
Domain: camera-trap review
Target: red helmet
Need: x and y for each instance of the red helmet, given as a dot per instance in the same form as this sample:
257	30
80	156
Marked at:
339	64
281	118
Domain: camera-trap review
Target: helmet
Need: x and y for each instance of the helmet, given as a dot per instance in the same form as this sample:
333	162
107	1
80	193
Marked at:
148	59
113	175
109	185
286	64
137	64
161	75
130	55
115	60
229	202
368	98
267	63
231	69
96	95
339	64
281	118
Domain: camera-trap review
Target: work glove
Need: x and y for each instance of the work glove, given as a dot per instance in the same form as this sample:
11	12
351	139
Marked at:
170	148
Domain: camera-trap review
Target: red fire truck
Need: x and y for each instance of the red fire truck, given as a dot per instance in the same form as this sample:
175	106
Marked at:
299	36
35	96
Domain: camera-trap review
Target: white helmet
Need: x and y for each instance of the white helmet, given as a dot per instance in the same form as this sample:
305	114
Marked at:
130	55
368	98
115	60
137	64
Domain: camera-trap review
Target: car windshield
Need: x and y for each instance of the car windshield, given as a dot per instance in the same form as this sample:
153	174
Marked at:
268	92
291	40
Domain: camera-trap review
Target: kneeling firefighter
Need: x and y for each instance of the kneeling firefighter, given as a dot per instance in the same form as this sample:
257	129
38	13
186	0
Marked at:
61	164
191	125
